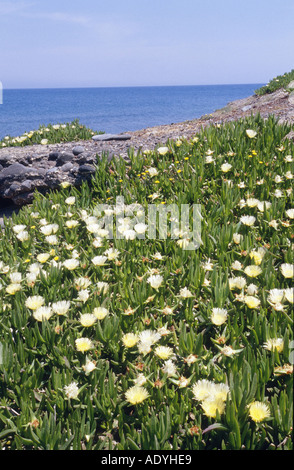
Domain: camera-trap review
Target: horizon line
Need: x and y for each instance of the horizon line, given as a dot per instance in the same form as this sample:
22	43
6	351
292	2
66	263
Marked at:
125	86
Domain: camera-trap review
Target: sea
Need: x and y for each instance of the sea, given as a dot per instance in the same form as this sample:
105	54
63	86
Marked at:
115	109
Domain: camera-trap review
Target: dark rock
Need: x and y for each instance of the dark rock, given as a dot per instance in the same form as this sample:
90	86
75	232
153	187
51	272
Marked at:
107	137
53	156
6	160
87	169
13	171
77	150
67	167
86	158
1	167
64	158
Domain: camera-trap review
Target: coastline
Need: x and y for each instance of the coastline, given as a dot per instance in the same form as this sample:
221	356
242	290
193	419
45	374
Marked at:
36	158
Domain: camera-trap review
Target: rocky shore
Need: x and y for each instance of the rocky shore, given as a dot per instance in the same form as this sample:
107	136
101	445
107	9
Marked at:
25	169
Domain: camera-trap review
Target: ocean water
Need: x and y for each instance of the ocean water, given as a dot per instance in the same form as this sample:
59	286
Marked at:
113	110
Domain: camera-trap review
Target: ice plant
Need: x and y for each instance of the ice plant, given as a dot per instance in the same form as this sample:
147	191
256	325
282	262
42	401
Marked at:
136	394
259	411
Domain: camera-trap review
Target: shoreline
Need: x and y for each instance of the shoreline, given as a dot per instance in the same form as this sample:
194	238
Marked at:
36	157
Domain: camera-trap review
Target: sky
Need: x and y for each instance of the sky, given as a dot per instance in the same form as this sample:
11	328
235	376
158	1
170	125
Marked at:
94	43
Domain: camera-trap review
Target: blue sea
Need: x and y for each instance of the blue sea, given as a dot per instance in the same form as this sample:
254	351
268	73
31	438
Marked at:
113	110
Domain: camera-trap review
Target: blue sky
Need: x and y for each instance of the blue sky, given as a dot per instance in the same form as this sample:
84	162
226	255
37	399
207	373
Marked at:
68	43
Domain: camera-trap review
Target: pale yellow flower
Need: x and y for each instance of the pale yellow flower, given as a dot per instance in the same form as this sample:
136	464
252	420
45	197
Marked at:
219	316
43	257
136	394
13	288
34	302
253	270
84	344
130	339
163	352
287	270
251	301
213	405
274	344
87	319
100	312
259	411
42	313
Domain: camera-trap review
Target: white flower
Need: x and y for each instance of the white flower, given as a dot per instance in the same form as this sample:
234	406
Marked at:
169	368
70	200
72	390
155	280
185	293
141	228
15	278
251	133
152	171
219	316
89	366
49	229
112	253
163	150
262	205
83	295
23	235
237	265
34	302
252	202
289	294
237	238
287	270
61	307
100	312
248	220
43	313
99	260
237	282
290	213
226	167
71	264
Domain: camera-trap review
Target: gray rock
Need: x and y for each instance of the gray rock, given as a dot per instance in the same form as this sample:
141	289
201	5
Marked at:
291	85
14	171
107	137
87	169
64	158
77	150
67	167
53	156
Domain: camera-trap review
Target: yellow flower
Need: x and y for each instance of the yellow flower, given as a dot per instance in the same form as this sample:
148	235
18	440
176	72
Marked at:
287	270
274	343
130	340
87	319
259	411
251	301
84	344
34	302
136	394
253	271
13	288
100	312
163	352
219	316
211	405
43	257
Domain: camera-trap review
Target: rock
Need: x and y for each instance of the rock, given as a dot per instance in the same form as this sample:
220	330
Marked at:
77	150
64	158
107	137
53	156
246	108
15	170
5	160
87	169
67	167
291	85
